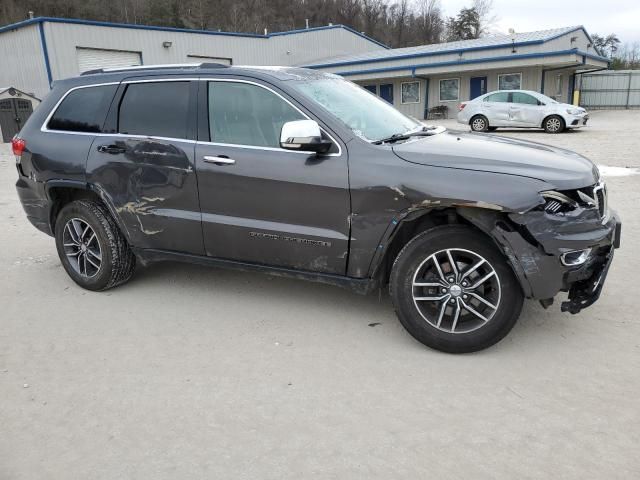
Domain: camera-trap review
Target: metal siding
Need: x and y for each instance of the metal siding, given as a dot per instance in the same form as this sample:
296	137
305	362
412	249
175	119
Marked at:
611	89
23	64
304	47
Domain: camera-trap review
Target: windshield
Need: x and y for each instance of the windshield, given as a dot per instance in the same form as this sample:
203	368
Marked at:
546	99
368	116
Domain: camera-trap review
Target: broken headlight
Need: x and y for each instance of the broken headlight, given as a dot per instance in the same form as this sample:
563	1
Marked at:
557	202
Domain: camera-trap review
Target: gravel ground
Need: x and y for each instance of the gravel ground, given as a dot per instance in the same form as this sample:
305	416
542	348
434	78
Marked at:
193	372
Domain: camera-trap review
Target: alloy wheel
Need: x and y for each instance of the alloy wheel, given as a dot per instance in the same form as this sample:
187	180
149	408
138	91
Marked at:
456	290
478	124
82	247
553	124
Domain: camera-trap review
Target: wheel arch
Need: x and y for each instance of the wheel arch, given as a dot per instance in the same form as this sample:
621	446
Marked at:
547	117
476	115
478	219
63	192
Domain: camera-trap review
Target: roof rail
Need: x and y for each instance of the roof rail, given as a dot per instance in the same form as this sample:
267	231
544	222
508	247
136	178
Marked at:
154	67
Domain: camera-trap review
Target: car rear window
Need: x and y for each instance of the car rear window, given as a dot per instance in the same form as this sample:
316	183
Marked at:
158	109
83	109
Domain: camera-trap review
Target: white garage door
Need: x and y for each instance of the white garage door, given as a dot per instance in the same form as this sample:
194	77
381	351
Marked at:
93	58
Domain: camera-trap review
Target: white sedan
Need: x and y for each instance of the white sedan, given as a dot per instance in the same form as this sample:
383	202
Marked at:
520	109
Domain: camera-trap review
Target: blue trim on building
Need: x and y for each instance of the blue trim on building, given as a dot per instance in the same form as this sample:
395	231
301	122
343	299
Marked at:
412	68
45	53
75	21
449	52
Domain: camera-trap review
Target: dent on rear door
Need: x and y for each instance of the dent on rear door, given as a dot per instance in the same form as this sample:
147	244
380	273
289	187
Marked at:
150	181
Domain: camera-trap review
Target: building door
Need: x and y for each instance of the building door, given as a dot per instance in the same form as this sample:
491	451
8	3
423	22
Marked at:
95	58
13	113
386	92
477	87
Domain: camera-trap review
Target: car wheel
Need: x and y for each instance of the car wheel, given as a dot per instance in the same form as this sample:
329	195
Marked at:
479	123
454	291
91	248
553	124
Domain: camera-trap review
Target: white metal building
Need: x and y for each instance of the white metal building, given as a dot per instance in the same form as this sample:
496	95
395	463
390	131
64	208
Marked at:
40	50
416	79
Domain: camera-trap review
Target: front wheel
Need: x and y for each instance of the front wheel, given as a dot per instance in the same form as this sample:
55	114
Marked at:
553	124
453	290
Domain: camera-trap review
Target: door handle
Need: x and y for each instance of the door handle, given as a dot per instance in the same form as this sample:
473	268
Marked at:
112	149
219	160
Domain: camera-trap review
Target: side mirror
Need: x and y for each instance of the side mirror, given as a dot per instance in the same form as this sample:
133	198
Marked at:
303	135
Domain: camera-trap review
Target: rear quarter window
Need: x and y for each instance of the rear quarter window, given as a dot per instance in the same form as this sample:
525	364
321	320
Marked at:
83	109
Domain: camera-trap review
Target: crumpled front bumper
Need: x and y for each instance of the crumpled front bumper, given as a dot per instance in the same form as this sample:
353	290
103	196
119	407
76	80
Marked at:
549	236
534	242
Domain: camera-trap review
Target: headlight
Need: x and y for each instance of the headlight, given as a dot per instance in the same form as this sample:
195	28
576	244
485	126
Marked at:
556	202
573	111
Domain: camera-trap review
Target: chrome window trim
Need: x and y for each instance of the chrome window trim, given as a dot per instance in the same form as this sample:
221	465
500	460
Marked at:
257	147
45	129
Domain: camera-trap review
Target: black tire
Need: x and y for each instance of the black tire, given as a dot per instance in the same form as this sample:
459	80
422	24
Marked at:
479	123
553	124
116	262
435	241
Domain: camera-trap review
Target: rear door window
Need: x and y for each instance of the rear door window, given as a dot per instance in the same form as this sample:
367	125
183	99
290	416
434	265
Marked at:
519	97
499	97
83	109
158	109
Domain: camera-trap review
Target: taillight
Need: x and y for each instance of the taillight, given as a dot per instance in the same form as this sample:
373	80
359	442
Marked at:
461	106
18	145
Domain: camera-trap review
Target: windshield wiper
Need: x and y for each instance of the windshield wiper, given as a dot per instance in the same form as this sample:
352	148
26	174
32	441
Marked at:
423	132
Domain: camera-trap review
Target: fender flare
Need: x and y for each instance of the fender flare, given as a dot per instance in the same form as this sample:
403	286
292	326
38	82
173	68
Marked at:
90	187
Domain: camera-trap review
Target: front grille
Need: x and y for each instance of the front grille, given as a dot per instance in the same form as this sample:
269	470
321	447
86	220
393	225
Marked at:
600	197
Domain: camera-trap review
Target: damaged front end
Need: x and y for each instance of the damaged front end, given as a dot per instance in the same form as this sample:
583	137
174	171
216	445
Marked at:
564	244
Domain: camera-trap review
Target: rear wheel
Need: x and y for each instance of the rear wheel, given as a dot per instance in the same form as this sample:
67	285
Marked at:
553	124
479	123
91	248
453	290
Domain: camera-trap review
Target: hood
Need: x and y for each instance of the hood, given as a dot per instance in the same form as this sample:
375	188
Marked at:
561	168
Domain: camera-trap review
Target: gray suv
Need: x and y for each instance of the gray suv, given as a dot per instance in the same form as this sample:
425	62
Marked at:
303	174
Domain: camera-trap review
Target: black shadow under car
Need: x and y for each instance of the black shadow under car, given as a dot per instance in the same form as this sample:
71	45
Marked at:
304	174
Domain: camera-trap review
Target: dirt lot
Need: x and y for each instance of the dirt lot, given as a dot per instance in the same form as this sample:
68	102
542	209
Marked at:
189	372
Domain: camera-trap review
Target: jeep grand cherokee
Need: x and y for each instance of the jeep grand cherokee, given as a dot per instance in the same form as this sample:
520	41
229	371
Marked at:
300	173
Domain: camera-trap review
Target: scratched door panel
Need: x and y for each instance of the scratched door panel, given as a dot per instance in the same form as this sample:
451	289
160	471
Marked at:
146	167
152	185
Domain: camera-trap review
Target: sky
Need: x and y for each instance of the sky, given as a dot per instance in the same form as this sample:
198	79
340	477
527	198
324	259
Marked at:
602	17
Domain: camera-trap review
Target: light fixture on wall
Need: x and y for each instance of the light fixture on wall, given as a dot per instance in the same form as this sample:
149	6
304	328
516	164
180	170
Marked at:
512	33
167	44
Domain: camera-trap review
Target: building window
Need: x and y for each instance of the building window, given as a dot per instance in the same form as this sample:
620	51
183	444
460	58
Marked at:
206	59
559	85
372	88
410	92
509	81
449	89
